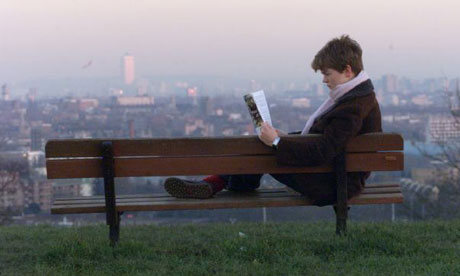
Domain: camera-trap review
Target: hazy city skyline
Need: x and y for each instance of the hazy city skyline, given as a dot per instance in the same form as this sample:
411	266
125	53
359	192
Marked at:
256	39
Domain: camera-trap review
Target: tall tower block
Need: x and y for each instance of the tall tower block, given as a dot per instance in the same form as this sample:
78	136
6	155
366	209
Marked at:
5	92
127	68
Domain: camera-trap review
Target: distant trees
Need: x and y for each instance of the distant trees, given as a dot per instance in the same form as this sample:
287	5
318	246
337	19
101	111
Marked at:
9	179
10	173
447	159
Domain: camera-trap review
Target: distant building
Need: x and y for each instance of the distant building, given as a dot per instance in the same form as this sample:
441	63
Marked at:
134	101
390	83
255	85
20	188
127	68
39	192
5	93
234	116
35	139
87	103
33	112
11	197
32	94
301	102
219	112
206	106
192	95
192	92
443	128
43	193
198	128
422	100
318	89
454	99
71	188
116	92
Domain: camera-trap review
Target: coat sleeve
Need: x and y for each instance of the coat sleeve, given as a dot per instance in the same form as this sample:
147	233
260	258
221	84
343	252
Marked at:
340	126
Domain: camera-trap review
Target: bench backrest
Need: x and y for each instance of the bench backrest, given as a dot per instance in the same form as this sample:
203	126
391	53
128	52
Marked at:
82	158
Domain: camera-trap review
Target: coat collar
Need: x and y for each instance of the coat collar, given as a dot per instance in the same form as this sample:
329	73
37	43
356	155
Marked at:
363	89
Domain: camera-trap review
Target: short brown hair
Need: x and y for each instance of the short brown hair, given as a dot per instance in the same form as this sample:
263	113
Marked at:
337	54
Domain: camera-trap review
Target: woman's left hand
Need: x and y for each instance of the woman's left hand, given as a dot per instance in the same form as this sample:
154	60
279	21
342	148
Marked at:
267	134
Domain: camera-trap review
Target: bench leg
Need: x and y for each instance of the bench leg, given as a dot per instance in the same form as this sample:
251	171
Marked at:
341	209
341	222
114	232
108	171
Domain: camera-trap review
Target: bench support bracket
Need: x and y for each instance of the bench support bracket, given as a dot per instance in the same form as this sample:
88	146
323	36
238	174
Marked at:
112	216
341	209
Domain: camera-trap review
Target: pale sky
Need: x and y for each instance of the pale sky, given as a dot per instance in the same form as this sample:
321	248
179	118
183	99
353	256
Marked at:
236	38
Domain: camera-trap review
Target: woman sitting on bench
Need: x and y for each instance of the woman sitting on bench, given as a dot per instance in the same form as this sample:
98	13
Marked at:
350	110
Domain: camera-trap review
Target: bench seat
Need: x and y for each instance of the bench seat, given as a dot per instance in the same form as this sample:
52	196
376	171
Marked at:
372	194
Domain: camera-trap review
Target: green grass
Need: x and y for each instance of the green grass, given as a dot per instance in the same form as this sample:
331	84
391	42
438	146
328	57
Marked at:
422	248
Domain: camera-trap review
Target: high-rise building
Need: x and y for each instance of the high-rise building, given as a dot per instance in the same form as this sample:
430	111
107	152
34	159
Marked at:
390	83
5	92
205	106
127	67
35	139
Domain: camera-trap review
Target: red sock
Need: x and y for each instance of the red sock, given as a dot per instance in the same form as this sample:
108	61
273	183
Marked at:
217	183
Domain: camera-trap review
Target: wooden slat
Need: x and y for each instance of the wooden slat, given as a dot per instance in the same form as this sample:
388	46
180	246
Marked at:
266	193
172	200
205	146
224	200
382	184
388	190
125	167
369	187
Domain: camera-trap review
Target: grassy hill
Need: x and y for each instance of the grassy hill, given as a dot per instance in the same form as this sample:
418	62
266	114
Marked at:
421	248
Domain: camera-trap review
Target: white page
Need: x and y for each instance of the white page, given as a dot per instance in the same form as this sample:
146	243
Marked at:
262	107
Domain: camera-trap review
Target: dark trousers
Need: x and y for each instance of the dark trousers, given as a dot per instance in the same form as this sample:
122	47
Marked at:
321	188
250	182
242	182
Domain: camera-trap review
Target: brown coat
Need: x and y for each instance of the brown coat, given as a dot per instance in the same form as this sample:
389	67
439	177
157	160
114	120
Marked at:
355	113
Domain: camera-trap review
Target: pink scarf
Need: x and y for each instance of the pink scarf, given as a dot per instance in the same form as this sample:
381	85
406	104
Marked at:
334	95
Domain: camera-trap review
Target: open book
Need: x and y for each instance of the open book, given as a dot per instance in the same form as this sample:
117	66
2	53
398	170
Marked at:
258	108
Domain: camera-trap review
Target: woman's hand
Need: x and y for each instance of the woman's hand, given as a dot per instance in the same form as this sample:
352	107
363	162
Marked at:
267	134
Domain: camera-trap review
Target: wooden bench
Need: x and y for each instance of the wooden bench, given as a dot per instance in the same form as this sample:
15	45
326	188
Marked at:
92	158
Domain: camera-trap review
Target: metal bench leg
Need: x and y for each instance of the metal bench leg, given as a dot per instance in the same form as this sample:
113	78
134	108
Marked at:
114	232
341	225
112	216
341	209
